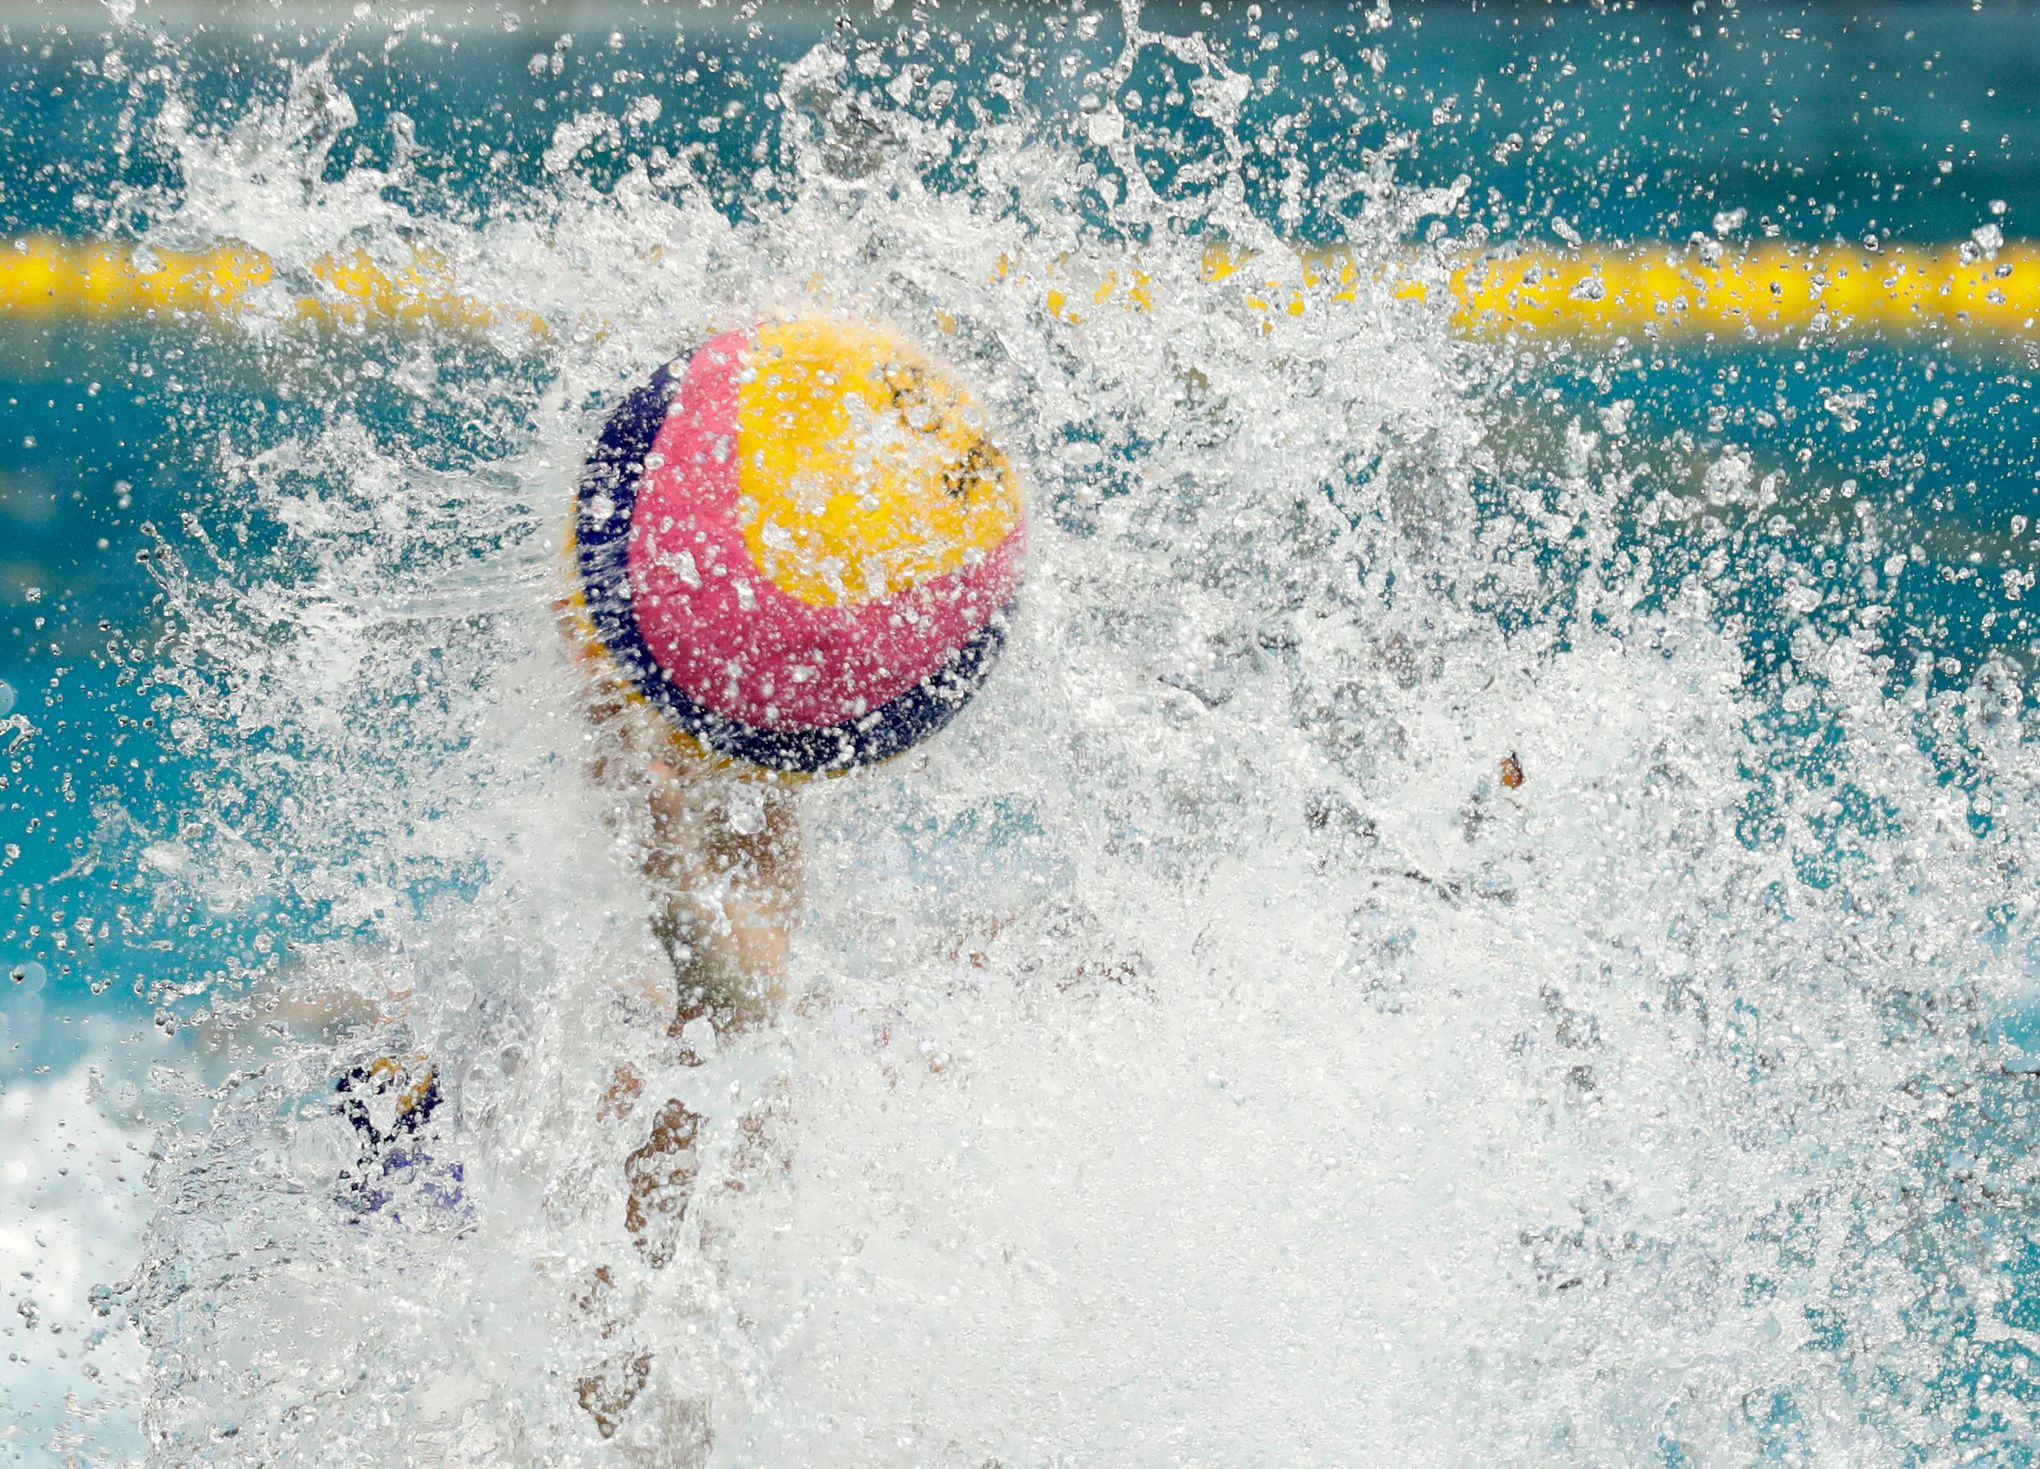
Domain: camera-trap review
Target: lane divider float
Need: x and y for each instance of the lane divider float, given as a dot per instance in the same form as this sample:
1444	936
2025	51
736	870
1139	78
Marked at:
1773	290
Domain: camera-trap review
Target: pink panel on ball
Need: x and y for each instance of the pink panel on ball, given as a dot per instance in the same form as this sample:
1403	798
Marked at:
732	640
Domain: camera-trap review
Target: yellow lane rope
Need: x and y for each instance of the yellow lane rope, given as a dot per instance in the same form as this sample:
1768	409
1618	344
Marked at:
1771	290
43	278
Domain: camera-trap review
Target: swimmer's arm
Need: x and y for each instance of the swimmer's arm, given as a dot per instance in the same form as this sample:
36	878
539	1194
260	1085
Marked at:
306	1006
726	871
722	857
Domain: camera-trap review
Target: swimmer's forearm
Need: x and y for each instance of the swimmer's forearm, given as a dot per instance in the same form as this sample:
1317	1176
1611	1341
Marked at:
731	902
727	968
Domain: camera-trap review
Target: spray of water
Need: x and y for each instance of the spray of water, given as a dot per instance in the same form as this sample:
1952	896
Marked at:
1381	975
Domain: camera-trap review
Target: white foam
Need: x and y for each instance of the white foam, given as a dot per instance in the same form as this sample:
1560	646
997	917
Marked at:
72	1207
1317	1094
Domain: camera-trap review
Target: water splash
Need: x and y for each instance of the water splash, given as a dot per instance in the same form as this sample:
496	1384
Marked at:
1427	951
